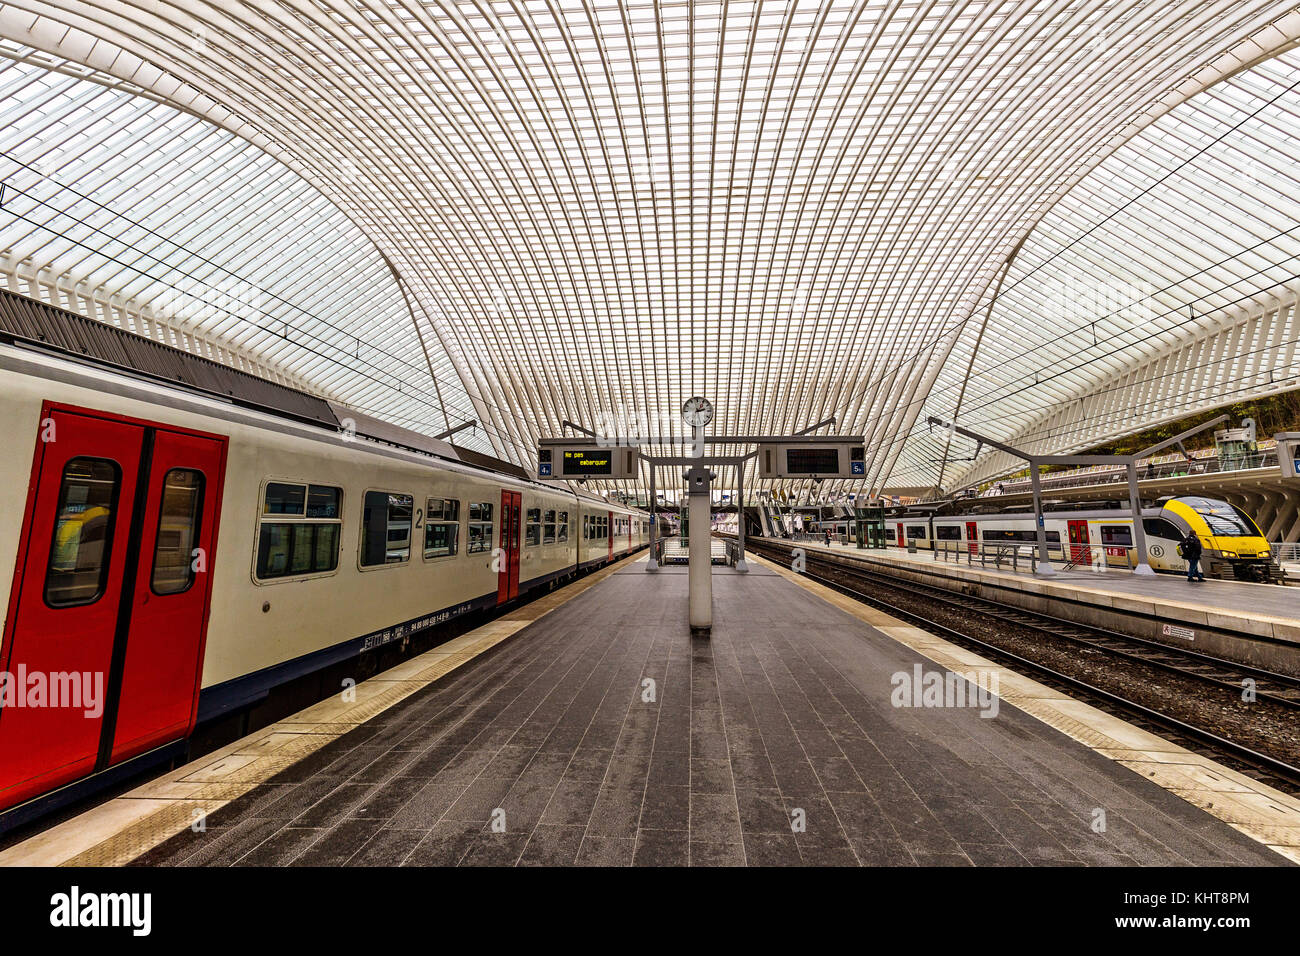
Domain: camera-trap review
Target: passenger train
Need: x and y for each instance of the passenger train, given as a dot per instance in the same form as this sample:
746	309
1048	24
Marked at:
173	554
1232	543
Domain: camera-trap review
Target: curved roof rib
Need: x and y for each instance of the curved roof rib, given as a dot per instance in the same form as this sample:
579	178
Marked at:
799	209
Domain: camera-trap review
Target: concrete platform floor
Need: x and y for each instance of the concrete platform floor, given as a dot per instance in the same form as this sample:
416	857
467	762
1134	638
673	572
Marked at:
602	734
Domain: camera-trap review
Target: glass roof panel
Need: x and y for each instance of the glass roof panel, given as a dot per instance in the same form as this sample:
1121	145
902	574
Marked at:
597	209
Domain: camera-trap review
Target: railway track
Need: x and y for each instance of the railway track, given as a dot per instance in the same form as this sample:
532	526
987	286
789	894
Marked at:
1282	690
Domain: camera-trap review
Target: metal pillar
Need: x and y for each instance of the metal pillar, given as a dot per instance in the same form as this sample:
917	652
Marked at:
1139	532
1044	561
700	554
741	566
652	564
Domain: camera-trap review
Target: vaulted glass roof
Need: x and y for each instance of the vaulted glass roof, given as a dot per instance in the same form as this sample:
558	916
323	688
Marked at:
526	211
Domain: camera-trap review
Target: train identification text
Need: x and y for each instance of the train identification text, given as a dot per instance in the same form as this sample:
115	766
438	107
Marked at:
403	631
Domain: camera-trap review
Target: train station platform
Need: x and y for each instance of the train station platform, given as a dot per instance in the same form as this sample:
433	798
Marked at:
600	732
1259	622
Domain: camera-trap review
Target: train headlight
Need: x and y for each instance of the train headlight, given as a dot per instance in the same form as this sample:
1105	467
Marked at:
1229	554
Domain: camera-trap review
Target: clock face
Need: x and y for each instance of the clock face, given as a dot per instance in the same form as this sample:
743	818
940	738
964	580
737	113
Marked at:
697	411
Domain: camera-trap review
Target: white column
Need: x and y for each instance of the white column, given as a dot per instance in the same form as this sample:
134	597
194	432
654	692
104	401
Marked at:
700	568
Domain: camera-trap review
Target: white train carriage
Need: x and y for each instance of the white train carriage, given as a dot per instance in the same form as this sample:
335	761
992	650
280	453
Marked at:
181	556
1232	542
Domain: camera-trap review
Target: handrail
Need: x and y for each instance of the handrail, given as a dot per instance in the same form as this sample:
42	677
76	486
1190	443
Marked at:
1108	474
1092	557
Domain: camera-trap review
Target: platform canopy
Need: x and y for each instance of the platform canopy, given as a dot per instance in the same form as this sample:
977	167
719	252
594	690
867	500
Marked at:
1056	222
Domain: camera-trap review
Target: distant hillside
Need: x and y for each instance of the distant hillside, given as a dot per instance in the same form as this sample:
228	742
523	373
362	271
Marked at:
1277	413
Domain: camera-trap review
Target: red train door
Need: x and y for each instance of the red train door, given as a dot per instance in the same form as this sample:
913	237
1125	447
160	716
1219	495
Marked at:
108	612
610	535
508	576
900	535
973	537
163	658
1080	550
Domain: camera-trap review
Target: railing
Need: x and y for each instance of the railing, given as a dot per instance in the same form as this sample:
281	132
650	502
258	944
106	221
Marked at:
1168	469
1024	556
1286	551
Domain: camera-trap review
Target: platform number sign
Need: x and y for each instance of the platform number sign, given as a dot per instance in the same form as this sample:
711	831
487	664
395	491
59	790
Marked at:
544	463
858	460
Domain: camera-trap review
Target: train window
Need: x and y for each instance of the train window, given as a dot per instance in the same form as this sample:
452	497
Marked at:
284	499
1007	534
441	527
948	532
480	527
533	527
1231	524
1117	535
304	538
562	527
442	509
1222	518
916	531
83	532
323	501
1160	528
301	547
548	527
386	528
178	531
1251	530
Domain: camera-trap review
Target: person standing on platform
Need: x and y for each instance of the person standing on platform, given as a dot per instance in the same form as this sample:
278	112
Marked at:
1191	551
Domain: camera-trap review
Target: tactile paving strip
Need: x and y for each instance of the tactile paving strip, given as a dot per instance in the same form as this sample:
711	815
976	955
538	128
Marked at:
1254	808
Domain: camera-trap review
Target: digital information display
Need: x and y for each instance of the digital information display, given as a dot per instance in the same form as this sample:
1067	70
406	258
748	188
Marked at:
592	461
812	461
